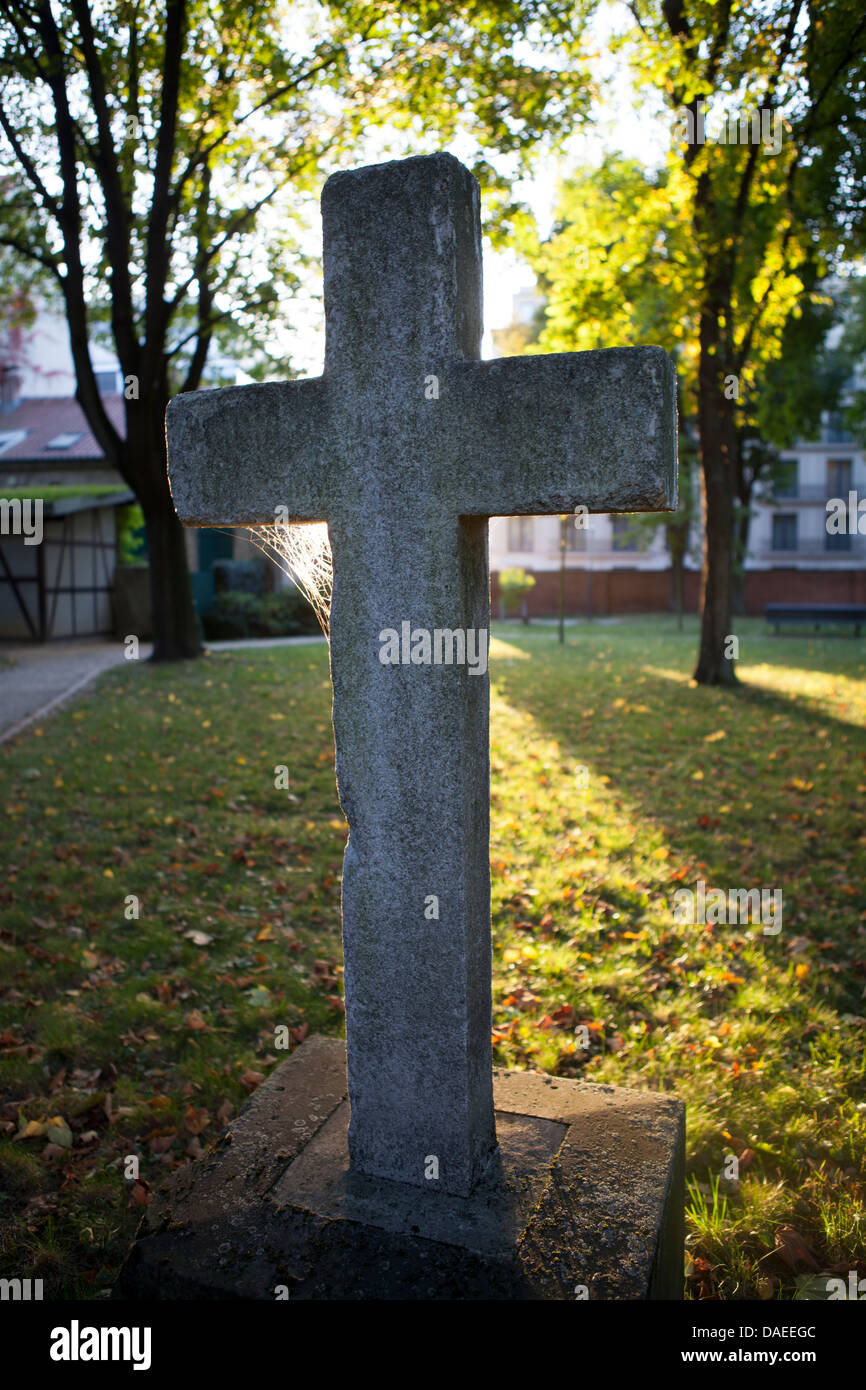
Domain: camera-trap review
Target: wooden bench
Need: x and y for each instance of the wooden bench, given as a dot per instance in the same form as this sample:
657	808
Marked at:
816	613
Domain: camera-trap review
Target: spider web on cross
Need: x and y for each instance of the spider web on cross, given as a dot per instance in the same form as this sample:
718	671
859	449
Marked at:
303	552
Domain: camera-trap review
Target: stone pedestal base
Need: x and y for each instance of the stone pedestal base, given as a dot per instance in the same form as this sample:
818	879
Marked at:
584	1199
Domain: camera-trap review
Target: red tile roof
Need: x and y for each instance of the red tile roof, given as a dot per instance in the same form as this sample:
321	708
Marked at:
45	417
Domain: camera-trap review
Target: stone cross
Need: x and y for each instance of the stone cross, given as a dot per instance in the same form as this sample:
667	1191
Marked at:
405	446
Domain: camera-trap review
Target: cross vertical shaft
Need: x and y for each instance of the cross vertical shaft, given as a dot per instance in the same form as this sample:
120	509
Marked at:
403	302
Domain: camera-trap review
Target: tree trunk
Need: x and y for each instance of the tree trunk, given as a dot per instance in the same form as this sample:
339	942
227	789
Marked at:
143	465
562	526
678	584
714	666
741	541
175	626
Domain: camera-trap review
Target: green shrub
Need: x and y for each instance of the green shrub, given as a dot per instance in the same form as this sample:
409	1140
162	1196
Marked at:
513	584
235	614
247	576
131	535
284	612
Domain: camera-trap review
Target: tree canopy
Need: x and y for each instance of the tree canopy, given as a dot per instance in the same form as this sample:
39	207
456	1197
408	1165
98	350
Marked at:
161	156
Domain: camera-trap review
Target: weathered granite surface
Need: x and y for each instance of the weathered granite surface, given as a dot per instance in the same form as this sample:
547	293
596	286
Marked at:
583	1199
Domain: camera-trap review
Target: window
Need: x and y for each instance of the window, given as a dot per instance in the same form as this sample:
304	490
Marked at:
64	441
9	438
577	537
840	542
623	537
107	383
833	429
520	533
785	531
838	478
10	386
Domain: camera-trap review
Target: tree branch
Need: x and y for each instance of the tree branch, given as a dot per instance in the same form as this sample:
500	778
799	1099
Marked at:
69	219
158	251
27	164
202	153
31	254
116	213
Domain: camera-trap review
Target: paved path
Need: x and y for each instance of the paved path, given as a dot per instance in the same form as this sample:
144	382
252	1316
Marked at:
43	677
243	642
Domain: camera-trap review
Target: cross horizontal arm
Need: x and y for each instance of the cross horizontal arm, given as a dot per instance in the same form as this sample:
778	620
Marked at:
237	454
541	435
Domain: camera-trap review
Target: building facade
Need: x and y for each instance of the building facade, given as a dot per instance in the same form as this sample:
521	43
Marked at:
62	587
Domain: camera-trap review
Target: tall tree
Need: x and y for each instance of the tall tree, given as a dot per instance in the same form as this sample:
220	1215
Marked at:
764	193
761	210
161	150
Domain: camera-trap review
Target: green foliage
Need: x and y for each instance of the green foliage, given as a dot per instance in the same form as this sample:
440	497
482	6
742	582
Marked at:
513	584
715	255
131	537
619	265
239	613
852	351
158	168
209	126
252	576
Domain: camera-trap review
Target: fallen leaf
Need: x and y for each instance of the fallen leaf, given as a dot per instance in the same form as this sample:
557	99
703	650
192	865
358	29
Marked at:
57	1131
195	1120
161	1143
30	1129
793	1249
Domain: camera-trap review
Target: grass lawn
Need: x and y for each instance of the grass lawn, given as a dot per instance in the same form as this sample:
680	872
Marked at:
139	1036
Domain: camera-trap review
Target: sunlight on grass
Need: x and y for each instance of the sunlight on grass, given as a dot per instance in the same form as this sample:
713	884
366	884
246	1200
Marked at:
662	673
506	651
